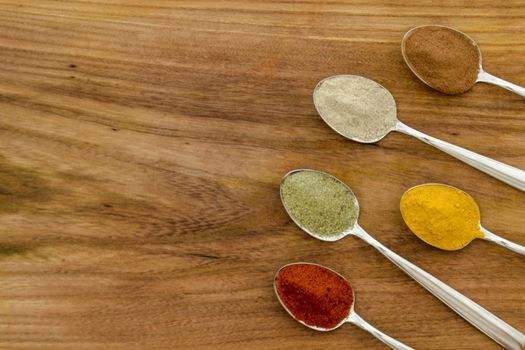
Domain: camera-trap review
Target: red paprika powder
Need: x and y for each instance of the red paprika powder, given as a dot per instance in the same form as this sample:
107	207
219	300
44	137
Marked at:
314	295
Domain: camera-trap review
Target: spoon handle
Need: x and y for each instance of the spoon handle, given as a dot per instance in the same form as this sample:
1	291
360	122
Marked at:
489	236
501	171
388	340
497	329
485	77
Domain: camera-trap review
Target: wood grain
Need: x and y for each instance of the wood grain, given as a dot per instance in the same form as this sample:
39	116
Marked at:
141	149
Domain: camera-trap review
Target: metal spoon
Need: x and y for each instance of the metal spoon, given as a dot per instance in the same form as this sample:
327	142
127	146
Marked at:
497	329
352	317
483	77
347	95
476	231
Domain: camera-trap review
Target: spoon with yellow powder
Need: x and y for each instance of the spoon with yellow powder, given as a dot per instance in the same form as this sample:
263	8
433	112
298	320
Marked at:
447	218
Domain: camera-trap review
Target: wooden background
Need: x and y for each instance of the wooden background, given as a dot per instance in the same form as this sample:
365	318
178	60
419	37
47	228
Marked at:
141	149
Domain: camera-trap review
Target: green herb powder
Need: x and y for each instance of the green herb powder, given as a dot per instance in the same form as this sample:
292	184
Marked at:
320	203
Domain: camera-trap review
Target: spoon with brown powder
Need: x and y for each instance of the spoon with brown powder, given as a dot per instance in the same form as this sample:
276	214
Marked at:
362	110
448	60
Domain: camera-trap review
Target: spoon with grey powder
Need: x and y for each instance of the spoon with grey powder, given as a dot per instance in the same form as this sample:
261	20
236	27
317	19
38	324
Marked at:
327	209
362	110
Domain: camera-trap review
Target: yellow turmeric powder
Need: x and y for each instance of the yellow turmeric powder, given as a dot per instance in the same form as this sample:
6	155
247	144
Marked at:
441	215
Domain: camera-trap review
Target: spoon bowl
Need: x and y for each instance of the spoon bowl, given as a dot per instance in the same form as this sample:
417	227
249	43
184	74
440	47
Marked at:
447	65
355	107
441	79
450	226
434	226
283	304
294	212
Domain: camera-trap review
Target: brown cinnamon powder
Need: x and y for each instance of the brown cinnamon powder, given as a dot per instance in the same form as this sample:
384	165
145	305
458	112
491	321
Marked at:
443	58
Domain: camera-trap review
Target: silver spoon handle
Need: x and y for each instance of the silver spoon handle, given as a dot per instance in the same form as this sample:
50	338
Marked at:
501	171
485	77
500	331
489	236
388	340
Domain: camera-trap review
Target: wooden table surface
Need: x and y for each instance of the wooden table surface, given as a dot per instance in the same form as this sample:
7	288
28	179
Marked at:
141	148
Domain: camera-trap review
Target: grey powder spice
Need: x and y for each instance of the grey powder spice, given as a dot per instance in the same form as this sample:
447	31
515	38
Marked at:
320	203
356	107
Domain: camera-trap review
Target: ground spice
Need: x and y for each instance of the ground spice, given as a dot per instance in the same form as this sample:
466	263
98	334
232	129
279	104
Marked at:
319	203
442	216
356	107
314	295
443	58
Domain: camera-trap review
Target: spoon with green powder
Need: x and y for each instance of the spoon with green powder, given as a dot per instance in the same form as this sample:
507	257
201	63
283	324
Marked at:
363	111
447	218
327	209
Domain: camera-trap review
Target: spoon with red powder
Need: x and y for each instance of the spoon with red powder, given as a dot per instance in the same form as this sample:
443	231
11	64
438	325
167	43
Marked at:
322	299
448	60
